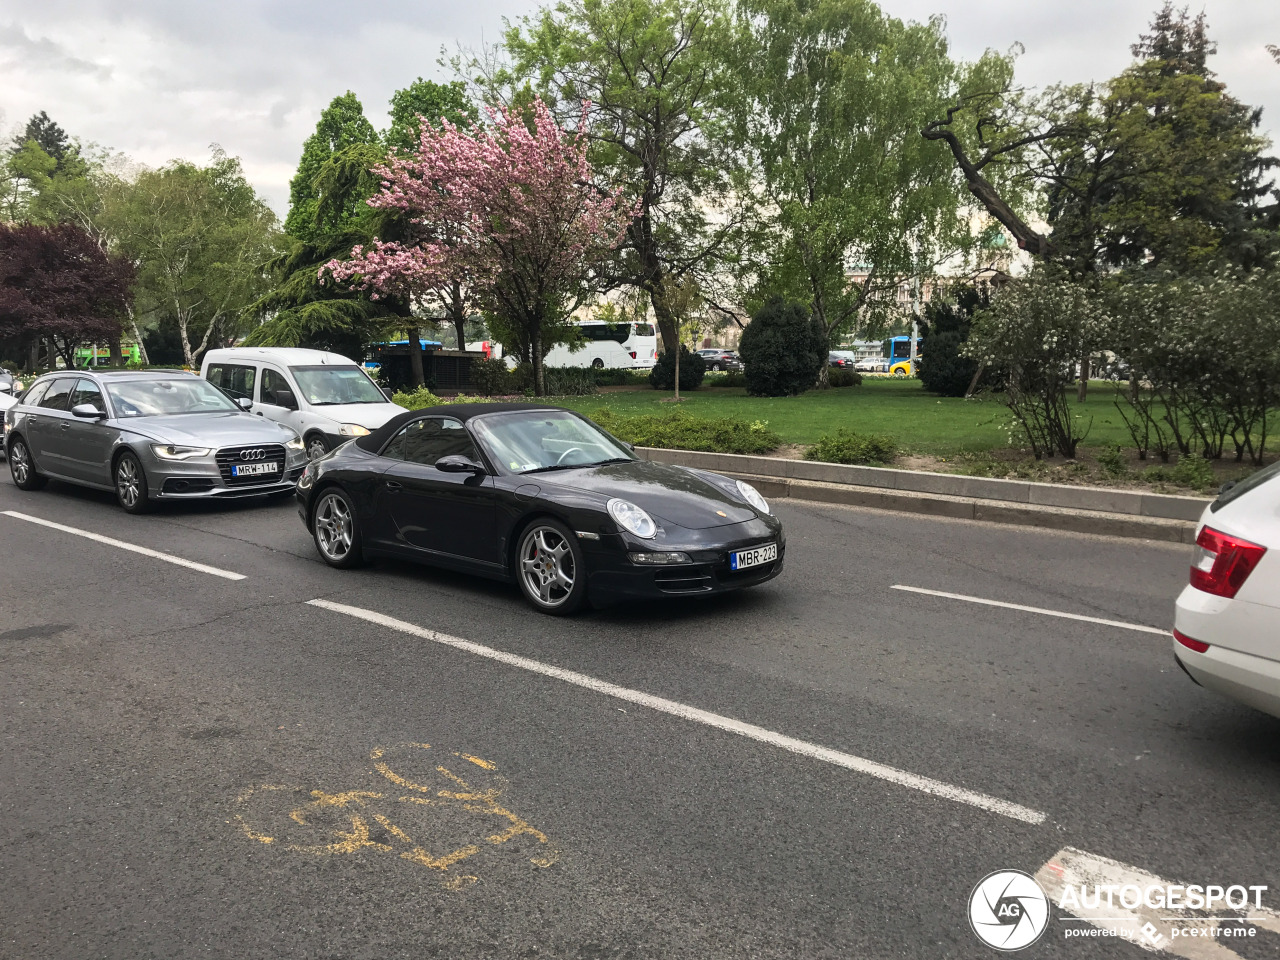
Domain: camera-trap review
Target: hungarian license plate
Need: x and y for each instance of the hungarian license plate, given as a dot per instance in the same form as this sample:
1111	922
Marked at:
253	469
741	559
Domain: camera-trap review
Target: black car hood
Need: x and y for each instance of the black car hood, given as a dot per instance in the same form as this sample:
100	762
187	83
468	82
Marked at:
673	494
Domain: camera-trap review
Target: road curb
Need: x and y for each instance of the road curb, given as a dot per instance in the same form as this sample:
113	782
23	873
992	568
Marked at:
1134	514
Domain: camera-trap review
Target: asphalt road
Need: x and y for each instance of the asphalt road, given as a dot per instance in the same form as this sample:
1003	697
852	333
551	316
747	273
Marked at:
199	766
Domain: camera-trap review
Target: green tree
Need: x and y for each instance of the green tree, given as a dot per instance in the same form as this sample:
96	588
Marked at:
432	101
836	92
342	124
198	237
655	77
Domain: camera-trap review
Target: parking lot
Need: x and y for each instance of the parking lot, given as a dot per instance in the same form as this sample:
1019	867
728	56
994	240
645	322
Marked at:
219	746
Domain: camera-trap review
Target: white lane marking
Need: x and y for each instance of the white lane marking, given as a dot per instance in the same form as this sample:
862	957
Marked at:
145	551
901	777
1141	628
1199	933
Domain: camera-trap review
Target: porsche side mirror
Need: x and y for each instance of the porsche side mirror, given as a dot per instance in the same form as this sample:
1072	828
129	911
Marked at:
87	411
244	403
455	463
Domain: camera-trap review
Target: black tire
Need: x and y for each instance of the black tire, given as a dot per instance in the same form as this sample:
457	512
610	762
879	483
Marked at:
22	466
317	445
540	568
131	484
336	530
597	363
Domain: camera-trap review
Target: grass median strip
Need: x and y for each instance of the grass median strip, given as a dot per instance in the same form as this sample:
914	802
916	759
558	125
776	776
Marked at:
132	548
1141	628
752	732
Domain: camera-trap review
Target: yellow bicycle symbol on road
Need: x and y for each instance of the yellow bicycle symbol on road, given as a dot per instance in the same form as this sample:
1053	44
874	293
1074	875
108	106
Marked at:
435	804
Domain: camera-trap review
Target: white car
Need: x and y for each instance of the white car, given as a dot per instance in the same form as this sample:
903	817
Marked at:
1227	627
326	398
7	400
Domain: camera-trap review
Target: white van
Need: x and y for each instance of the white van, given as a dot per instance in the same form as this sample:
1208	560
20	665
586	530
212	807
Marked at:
325	397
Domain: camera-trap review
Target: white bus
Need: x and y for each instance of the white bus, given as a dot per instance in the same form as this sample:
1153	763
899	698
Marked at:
610	346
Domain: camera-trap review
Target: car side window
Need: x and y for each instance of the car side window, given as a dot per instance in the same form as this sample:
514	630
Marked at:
87	391
426	441
273	380
235	380
33	396
56	396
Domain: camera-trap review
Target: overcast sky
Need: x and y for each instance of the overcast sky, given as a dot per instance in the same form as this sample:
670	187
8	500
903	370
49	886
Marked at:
159	79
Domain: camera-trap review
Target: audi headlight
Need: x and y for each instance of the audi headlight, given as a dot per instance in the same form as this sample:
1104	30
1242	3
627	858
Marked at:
631	518
295	444
171	451
752	496
352	430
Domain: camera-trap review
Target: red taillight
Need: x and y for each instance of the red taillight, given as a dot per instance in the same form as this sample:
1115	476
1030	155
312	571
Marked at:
1196	645
1222	562
633	354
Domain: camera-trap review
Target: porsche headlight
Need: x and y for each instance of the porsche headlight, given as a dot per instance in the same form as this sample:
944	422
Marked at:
295	444
632	519
752	496
172	451
352	430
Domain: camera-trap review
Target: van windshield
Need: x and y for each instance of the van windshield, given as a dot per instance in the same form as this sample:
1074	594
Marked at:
326	385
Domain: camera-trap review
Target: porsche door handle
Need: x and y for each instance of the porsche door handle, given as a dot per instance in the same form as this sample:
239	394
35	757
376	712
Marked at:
66	426
394	487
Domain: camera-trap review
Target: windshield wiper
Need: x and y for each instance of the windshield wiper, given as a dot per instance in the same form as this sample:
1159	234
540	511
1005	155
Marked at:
601	463
574	466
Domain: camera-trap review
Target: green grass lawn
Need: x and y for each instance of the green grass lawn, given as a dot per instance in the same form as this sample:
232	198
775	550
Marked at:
919	421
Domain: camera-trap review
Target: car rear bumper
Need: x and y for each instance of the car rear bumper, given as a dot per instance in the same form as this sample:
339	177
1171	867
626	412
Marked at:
1243	658
1241	676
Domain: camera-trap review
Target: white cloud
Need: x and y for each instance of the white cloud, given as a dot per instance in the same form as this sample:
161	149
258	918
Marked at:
158	79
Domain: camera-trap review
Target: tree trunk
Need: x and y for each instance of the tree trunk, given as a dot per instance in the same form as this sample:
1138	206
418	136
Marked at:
1083	391
137	338
52	348
459	316
415	357
33	355
539	374
677	381
117	359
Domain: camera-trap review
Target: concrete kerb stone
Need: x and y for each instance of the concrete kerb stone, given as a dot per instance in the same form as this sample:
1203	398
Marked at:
1121	513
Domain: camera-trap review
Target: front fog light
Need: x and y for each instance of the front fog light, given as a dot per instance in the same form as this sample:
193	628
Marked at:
658	559
752	496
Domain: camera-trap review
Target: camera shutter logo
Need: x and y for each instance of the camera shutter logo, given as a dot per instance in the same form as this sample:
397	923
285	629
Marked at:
253	454
1008	910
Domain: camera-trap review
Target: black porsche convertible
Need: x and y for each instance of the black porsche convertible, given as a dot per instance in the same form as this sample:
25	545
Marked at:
542	496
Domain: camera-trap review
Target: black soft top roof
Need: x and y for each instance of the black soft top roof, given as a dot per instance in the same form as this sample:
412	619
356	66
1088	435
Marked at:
459	411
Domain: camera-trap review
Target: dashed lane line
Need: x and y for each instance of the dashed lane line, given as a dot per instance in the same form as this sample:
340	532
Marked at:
1141	628
131	547
848	761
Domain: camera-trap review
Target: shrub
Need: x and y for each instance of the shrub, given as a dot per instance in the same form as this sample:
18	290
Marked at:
417	399
560	381
845	446
491	377
841	377
1112	461
734	378
1190	471
620	377
692	369
943	370
680	430
782	349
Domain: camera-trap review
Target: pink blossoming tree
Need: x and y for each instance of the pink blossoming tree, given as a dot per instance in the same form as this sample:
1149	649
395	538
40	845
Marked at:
506	213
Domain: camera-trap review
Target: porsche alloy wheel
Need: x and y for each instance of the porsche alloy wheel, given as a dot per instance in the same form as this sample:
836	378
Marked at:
334	527
549	568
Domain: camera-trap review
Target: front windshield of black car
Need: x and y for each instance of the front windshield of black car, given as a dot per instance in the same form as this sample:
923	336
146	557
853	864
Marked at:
545	440
159	398
326	385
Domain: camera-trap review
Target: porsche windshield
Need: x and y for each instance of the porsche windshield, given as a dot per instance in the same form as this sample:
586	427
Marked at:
327	386
546	440
159	398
